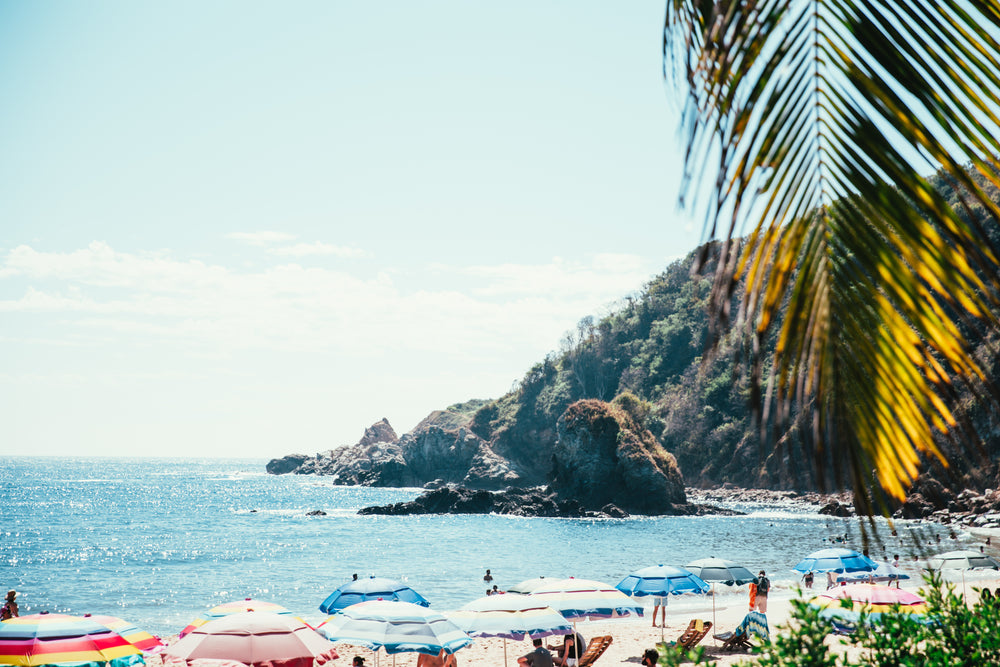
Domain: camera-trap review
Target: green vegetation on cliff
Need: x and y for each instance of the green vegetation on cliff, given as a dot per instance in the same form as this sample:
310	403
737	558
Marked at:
651	346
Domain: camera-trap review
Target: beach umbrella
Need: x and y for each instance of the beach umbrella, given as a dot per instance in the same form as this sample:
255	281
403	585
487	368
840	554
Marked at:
662	580
850	601
835	560
256	638
372	588
510	617
582	599
237	607
718	570
141	639
962	560
884	572
529	585
721	571
396	626
61	639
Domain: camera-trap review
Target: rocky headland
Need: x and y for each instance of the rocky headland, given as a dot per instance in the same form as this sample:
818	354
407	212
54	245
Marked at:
601	462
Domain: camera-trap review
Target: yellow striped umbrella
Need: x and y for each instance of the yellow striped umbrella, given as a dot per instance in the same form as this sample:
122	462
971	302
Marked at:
59	639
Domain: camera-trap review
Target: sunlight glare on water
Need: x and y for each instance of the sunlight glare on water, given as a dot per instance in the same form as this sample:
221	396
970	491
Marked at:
158	541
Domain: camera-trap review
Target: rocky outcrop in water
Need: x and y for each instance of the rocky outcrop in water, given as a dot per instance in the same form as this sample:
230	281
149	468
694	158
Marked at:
430	455
537	502
600	457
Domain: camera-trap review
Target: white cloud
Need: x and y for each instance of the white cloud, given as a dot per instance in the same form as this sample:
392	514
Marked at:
261	238
140	298
317	248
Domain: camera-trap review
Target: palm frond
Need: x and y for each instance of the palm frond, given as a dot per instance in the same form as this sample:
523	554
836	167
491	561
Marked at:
814	120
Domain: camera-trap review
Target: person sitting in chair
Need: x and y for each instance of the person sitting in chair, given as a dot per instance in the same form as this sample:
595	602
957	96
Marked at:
572	648
540	657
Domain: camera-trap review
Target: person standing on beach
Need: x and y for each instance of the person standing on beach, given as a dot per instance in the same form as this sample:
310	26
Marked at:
9	609
763	587
658	604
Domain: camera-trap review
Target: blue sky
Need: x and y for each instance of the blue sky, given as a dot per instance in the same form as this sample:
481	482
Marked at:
243	228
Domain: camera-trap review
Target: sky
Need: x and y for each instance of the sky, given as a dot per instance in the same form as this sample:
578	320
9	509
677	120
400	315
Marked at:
253	229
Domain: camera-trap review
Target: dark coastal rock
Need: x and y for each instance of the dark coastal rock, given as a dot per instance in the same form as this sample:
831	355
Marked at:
380	431
602	456
286	464
520	502
836	509
536	502
316	513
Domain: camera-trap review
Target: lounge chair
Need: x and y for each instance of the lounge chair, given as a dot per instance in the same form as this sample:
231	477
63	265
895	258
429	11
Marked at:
595	648
739	639
734	641
695	632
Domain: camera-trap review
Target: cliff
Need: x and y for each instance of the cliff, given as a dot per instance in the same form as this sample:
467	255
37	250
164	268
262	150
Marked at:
601	457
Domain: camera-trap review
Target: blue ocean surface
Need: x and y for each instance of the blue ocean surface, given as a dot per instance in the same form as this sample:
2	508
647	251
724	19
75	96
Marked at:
158	541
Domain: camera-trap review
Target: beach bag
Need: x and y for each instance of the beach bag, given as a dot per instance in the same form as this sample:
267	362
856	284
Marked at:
763	586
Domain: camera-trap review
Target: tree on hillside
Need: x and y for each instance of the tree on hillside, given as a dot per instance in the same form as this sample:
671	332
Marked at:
812	121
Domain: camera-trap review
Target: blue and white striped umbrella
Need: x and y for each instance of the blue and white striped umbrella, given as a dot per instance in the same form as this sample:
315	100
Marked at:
398	627
581	599
836	560
510	617
372	588
662	580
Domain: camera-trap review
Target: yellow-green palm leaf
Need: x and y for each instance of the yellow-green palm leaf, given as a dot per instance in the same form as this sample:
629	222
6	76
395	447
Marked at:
814	122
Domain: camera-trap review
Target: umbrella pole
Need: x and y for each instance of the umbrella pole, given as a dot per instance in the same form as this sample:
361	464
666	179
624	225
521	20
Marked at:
714	624
505	650
663	629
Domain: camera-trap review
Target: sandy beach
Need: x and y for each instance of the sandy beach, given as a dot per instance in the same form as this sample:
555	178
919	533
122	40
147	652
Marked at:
632	636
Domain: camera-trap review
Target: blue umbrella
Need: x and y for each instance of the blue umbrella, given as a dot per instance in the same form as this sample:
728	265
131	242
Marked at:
661	580
836	560
373	588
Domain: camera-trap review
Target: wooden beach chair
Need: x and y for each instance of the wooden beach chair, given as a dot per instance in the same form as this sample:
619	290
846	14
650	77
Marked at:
739	639
734	641
695	632
596	647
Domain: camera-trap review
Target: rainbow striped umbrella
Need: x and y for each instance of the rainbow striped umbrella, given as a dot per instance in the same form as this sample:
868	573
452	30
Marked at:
141	639
247	604
61	639
396	626
580	599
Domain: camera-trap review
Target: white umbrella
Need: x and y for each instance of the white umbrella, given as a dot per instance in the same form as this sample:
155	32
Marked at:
582	599
396	626
529	585
962	560
510	617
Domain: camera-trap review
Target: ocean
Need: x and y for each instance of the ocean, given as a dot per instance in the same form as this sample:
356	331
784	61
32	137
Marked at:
157	541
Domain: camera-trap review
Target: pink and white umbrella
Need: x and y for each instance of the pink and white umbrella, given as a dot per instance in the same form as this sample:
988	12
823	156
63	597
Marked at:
256	638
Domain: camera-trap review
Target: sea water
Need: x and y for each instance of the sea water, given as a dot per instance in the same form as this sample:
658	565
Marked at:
158	541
